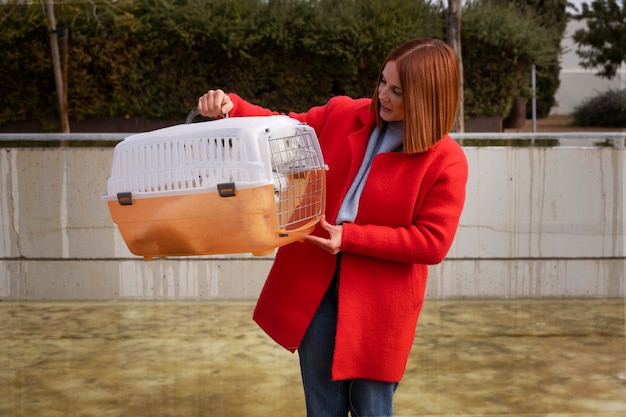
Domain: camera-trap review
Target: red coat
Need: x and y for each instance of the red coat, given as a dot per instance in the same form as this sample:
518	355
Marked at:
408	215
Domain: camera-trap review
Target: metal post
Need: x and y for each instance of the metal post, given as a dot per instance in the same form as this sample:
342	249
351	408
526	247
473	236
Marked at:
534	88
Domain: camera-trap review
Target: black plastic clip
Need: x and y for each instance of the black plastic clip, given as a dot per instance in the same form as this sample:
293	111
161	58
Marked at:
125	198
226	189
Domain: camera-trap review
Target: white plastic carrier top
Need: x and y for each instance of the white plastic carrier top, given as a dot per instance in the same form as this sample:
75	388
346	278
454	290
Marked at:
196	157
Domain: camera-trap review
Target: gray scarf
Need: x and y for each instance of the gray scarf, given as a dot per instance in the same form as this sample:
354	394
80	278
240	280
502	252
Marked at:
387	139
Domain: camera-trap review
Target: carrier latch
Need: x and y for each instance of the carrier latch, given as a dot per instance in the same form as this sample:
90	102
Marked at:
125	198
226	189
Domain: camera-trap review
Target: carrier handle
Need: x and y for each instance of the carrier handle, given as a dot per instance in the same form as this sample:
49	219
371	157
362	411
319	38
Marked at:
195	113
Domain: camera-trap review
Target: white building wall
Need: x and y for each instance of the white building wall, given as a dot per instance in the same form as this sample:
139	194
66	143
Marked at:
577	83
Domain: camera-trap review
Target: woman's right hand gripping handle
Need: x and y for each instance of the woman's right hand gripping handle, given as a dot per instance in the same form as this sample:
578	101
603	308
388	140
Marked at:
214	103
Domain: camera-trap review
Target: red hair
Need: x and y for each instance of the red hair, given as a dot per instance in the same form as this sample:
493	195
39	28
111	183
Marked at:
431	87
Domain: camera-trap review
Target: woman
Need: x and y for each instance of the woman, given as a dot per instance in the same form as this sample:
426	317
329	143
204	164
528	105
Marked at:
348	298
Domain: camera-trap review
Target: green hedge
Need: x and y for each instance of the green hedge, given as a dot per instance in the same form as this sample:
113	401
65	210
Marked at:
152	58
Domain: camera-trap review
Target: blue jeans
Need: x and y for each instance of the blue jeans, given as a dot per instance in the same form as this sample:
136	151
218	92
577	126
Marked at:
325	397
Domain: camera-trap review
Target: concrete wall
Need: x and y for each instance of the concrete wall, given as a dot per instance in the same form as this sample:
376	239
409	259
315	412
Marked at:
539	222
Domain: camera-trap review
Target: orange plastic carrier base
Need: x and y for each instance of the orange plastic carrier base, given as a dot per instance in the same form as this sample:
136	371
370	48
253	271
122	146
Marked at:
205	224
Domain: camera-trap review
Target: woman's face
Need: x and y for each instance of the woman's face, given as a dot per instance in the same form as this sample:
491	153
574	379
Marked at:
390	94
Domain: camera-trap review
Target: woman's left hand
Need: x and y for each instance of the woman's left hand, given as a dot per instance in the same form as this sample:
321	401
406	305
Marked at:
331	244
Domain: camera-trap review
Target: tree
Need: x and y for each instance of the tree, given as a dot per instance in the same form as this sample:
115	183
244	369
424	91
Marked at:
454	40
61	84
603	44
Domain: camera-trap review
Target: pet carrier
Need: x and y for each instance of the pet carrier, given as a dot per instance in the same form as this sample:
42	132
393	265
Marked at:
234	185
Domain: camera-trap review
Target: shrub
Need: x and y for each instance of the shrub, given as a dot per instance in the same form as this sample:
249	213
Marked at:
607	109
501	42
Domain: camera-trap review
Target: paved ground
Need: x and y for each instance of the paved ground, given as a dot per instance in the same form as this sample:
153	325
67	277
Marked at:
480	358
560	124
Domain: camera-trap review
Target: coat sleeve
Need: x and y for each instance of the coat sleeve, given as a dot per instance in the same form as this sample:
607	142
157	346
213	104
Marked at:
242	108
436	218
317	117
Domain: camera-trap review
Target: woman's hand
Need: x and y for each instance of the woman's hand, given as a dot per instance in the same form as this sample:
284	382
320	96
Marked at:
331	244
214	103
